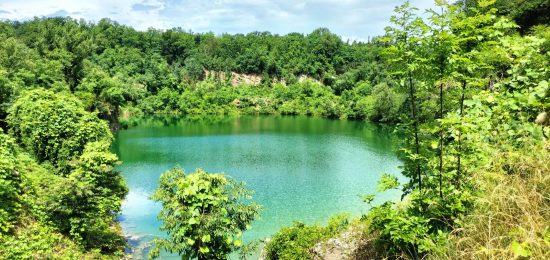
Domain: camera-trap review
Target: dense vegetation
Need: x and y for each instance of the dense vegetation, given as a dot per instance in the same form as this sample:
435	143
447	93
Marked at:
64	82
60	194
295	242
474	151
115	70
203	213
467	87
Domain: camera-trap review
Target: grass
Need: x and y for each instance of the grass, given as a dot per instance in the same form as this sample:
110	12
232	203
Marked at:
511	219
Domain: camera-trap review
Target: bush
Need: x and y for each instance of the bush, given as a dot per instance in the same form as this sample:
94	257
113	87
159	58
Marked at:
295	242
204	214
402	232
54	126
84	204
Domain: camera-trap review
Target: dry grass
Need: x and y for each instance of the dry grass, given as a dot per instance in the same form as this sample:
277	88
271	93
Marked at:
512	217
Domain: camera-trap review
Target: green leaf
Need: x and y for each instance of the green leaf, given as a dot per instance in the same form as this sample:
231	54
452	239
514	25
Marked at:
547	236
490	99
368	198
387	182
521	250
543	84
237	243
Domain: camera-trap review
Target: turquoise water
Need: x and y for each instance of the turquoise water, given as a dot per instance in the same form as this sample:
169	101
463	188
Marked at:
301	168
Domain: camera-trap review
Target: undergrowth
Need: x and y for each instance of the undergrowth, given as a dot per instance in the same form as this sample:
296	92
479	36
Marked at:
511	219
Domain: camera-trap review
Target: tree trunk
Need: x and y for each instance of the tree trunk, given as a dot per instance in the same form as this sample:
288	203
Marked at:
458	168
441	142
415	129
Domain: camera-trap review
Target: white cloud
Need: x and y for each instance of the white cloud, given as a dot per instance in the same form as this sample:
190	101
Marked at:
358	19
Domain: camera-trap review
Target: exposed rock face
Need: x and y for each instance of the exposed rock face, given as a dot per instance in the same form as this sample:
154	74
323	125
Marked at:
236	78
249	79
350	245
543	119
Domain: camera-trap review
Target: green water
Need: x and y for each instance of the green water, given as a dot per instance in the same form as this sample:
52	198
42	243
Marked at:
301	168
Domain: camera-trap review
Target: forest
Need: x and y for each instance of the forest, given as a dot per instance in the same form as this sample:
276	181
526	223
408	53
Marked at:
465	85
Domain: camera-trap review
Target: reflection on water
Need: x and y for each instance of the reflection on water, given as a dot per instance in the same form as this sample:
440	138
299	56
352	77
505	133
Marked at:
304	169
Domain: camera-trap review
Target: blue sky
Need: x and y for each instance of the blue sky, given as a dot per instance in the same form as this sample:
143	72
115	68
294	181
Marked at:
351	19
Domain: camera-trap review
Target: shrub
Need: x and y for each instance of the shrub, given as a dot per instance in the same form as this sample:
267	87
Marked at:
204	214
295	242
54	126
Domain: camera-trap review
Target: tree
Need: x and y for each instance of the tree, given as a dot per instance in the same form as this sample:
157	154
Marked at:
85	203
22	68
194	69
525	13
82	197
54	127
62	39
386	104
326	48
105	94
204	214
405	53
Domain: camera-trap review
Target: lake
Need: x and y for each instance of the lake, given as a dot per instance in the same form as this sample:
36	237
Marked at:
301	168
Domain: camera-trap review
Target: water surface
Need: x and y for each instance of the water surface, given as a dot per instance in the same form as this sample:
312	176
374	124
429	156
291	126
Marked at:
301	168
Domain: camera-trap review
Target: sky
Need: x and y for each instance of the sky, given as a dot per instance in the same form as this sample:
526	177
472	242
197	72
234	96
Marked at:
351	19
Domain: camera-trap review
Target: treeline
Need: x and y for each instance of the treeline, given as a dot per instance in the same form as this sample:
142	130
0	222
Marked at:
114	68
